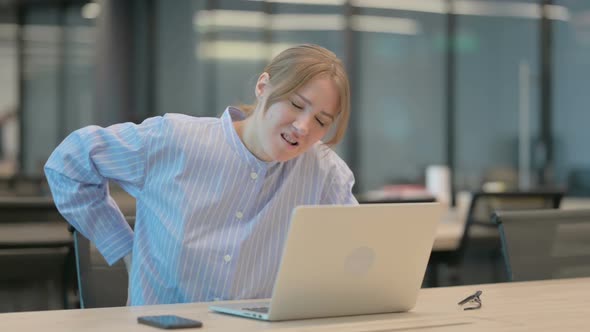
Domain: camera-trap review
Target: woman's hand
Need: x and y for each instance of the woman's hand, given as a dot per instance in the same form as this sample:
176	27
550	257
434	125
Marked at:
127	260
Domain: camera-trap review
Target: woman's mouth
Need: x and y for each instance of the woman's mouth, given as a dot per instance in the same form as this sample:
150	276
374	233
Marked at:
289	139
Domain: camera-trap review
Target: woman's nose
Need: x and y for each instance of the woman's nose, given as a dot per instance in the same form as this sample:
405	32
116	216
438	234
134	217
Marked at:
301	125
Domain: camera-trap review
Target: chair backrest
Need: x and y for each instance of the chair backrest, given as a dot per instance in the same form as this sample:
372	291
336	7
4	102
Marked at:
99	284
484	204
545	244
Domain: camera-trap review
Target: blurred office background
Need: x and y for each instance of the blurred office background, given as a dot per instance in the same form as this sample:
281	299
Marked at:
469	84
494	90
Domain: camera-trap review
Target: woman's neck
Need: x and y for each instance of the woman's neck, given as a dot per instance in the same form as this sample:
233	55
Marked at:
248	133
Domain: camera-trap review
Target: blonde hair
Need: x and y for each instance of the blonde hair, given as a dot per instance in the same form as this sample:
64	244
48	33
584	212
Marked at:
295	67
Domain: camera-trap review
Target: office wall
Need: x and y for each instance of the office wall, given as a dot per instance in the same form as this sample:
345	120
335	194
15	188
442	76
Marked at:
571	102
401	97
79	68
205	60
8	92
491	50
40	114
180	79
59	58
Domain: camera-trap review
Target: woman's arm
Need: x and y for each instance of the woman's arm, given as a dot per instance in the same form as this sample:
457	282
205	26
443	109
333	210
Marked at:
78	172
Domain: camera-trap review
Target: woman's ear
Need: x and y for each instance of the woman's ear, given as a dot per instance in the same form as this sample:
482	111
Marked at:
262	85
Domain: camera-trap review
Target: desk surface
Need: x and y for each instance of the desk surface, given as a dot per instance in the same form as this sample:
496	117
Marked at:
449	231
556	305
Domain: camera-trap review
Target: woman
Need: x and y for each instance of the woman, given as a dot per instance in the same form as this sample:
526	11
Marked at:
214	195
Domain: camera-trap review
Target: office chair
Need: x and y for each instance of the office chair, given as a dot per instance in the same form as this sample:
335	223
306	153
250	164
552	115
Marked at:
545	244
99	285
480	235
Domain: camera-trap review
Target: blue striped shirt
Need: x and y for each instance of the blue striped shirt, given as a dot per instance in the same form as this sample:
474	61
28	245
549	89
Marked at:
211	217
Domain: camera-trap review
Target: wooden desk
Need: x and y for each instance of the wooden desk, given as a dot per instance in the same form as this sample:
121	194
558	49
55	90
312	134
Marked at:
556	305
573	203
449	231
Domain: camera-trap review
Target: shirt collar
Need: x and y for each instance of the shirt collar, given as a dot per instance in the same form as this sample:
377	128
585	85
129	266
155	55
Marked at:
230	115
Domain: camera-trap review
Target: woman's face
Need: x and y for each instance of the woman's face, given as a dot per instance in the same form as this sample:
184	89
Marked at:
291	126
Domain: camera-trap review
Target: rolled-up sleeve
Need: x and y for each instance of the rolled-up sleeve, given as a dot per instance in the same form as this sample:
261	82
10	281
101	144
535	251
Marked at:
78	172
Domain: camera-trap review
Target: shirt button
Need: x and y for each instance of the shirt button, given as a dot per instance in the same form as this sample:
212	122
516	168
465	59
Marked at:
239	215
254	176
227	258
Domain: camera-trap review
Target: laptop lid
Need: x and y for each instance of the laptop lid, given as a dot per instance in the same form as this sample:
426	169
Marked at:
353	260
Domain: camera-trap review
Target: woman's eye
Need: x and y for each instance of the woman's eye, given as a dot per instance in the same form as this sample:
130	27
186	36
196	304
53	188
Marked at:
296	105
320	122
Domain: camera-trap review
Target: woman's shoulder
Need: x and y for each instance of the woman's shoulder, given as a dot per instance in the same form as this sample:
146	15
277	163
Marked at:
176	123
327	160
173	127
183	119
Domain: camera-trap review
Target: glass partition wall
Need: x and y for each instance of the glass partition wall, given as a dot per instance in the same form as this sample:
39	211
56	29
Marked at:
57	66
9	131
571	113
197	57
497	91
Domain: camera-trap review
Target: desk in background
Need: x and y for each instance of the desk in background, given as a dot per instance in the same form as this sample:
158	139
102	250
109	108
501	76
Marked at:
450	228
555	305
31	222
35	255
28	208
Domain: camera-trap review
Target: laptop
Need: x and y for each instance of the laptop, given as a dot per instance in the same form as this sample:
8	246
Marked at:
348	260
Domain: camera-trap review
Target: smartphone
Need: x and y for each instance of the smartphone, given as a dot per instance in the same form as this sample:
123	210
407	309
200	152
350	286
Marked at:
169	322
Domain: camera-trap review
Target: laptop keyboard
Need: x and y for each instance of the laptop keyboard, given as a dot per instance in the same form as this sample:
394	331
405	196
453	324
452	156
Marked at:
262	310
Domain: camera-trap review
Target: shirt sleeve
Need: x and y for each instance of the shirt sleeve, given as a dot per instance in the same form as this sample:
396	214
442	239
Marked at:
78	172
339	189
